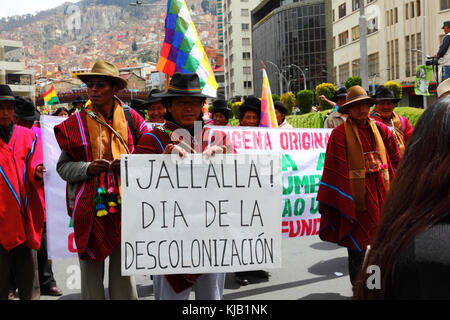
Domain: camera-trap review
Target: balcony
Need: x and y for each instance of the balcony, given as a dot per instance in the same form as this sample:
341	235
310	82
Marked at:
8	66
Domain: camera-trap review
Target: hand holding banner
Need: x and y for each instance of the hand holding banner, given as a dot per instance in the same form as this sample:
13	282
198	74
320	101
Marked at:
195	215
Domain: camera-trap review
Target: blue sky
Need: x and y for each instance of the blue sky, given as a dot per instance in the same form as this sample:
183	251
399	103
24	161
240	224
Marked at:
19	7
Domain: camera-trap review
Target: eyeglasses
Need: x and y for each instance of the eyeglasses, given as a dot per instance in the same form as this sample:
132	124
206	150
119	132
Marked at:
98	84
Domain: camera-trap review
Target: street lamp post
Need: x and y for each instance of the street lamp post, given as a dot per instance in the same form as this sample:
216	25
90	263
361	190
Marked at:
304	77
364	61
280	78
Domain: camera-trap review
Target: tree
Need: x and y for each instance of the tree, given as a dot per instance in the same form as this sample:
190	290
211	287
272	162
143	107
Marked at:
275	97
353	81
396	88
235	108
328	90
288	100
305	100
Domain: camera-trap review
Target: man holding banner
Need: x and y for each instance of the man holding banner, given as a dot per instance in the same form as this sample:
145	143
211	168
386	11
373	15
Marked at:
184	101
359	166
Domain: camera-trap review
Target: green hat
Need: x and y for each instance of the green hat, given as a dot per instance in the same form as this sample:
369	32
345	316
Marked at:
446	24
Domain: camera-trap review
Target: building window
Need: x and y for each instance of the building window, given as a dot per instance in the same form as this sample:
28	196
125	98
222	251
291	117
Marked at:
342	11
245	41
355	33
247	84
372	25
418	11
374	63
395	15
344	72
445	4
247	70
355	5
419	48
244	12
408	57
245	26
412	9
343	38
407	11
246	55
356	68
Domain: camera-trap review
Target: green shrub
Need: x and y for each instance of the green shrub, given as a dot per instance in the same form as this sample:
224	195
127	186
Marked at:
353	81
412	114
328	90
288	100
305	100
309	120
275	97
396	88
235	109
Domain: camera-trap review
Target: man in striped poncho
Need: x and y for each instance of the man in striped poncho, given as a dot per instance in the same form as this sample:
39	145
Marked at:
92	142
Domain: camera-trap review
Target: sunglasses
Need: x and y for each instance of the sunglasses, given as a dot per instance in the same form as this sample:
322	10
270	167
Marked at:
98	84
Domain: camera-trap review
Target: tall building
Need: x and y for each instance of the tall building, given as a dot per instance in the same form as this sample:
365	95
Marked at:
219	11
12	69
293	39
238	47
395	40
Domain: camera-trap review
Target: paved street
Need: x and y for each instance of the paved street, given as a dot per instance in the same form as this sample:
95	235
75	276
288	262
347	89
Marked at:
312	270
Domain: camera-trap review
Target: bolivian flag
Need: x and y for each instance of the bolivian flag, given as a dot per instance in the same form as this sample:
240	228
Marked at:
50	96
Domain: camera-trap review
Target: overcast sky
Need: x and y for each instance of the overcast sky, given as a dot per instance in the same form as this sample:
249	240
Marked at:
19	7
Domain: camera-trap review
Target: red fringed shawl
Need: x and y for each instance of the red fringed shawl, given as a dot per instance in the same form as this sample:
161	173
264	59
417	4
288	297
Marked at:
340	222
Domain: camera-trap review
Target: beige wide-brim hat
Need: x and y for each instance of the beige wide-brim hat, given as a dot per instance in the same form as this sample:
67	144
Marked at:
356	94
443	88
104	69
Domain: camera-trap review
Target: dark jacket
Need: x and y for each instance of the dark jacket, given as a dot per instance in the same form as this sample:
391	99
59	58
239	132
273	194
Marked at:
422	271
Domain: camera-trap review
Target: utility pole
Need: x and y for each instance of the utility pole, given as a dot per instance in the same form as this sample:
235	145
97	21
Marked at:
364	65
424	31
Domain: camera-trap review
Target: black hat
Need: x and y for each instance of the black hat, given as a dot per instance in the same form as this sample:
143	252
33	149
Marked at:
221	106
6	94
136	103
385	93
340	93
183	85
278	105
446	24
151	98
79	99
26	110
251	103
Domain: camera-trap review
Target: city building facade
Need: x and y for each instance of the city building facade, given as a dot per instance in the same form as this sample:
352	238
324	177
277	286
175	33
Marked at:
396	30
237	38
12	69
292	39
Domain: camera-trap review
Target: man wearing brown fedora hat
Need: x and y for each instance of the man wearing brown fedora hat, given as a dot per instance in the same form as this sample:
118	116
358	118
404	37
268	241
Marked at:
21	209
359	165
184	101
92	142
384	113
